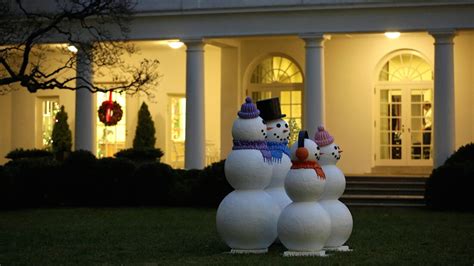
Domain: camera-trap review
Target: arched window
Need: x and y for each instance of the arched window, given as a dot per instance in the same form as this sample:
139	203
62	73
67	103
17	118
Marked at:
276	69
279	76
406	67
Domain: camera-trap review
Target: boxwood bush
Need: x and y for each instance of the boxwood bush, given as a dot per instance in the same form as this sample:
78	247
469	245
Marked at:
83	180
28	153
450	185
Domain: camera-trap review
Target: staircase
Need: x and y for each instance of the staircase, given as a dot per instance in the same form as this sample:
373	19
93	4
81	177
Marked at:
393	191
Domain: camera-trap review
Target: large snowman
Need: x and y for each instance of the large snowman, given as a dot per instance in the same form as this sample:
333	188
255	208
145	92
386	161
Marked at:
278	134
304	226
247	218
341	218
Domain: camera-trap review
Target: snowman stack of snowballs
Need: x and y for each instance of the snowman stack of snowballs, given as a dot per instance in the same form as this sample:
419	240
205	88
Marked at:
278	134
341	218
247	218
304	226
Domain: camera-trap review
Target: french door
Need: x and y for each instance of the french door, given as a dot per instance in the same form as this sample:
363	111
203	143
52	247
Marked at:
403	124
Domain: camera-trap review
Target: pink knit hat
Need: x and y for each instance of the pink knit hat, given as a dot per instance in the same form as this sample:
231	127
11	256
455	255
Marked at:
322	137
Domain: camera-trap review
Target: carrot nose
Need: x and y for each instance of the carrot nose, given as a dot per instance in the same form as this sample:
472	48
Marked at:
301	154
285	130
269	128
340	151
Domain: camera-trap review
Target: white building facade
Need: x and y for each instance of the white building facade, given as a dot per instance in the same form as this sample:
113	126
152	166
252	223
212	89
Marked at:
328	61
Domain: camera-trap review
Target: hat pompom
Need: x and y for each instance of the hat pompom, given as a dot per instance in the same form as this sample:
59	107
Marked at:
322	137
248	109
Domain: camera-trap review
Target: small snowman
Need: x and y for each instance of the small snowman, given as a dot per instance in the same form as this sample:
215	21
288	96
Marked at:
277	137
341	218
247	218
304	226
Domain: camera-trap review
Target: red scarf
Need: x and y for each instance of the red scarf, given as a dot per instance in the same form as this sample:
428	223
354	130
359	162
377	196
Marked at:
309	165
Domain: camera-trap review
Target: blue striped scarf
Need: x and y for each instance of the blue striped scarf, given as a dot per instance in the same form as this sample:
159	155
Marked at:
277	149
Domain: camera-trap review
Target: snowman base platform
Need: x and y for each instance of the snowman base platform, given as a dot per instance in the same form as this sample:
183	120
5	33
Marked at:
289	253
339	249
249	251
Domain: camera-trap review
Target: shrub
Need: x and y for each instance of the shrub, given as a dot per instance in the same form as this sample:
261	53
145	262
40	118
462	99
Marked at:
77	178
141	154
112	182
153	183
61	136
465	153
30	153
449	186
31	182
145	131
212	186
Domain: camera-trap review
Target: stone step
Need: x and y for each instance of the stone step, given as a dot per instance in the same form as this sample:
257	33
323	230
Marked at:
389	191
364	190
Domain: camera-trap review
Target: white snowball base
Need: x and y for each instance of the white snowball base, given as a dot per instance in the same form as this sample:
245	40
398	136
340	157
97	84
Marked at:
341	222
247	220
304	226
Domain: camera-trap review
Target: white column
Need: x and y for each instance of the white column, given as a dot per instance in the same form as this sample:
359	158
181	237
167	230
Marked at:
314	82
84	133
443	107
195	124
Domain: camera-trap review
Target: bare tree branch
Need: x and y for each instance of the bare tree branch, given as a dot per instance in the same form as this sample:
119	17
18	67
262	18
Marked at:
25	43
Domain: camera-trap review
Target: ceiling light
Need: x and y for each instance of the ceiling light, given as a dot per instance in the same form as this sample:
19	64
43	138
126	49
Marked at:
392	34
175	44
72	48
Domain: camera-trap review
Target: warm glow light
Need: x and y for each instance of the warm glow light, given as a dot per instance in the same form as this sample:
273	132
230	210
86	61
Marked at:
175	44
72	48
392	34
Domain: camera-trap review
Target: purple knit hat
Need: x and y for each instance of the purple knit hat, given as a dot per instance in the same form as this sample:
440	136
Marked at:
248	109
322	137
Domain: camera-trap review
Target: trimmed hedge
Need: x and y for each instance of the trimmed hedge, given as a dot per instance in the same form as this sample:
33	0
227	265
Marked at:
29	153
140	155
83	180
450	185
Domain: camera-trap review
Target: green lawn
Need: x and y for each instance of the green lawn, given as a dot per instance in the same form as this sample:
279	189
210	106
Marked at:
184	235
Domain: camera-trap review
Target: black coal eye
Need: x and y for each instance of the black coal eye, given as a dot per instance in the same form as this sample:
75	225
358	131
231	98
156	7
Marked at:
335	147
263	121
278	125
317	148
333	153
286	125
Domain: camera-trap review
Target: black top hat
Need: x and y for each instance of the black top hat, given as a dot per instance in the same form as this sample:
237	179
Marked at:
270	109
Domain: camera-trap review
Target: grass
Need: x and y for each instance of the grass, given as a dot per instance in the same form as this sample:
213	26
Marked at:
188	236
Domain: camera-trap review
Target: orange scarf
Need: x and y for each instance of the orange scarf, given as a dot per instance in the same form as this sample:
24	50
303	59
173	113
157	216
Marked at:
309	165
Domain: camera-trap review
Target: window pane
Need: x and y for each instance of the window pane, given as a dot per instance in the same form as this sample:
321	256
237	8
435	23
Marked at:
285	97
296	97
296	110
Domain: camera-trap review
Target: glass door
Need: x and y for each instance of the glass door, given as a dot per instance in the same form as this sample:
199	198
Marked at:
404	127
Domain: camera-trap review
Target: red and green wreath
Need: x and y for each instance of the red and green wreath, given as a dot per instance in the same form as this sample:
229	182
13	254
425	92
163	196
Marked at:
110	113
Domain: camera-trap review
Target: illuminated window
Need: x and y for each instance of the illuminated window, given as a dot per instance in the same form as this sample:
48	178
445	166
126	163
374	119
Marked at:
111	139
178	121
177	130
49	108
278	76
276	69
406	67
